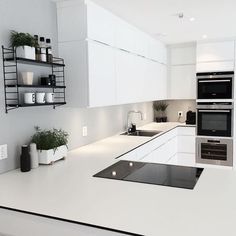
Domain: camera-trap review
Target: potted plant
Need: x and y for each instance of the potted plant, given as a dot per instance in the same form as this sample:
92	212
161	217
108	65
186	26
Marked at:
51	145
160	111
24	44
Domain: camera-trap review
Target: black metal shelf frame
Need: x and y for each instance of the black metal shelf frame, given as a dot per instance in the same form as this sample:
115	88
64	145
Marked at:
12	84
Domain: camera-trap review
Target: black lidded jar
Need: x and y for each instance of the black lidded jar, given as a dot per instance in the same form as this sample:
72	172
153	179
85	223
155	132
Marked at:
25	163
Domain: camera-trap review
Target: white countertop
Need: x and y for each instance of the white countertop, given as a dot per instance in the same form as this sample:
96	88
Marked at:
67	190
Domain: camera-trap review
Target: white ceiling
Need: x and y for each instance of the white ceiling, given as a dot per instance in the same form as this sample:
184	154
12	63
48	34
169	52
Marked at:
214	18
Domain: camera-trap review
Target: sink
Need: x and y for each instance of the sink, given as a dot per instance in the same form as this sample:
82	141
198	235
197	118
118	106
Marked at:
145	133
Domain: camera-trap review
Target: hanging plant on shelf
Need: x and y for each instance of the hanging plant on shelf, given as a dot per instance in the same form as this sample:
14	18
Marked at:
24	43
160	111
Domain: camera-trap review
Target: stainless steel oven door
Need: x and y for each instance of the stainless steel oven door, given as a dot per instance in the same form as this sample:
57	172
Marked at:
214	151
214	122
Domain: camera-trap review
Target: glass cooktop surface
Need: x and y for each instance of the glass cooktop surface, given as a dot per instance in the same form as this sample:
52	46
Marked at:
151	173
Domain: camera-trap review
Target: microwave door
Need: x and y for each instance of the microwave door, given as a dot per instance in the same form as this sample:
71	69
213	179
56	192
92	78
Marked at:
214	89
214	122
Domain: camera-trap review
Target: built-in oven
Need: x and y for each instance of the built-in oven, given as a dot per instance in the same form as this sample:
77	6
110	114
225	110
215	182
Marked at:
215	85
214	151
215	119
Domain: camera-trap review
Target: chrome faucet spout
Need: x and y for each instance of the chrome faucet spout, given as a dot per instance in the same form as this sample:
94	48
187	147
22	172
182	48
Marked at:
128	116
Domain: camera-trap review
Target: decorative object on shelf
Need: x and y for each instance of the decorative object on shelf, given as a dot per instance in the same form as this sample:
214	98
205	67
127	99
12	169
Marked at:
160	111
29	98
24	44
43	50
52	79
49	51
40	98
37	49
49	97
34	156
25	162
27	77
14	87
51	145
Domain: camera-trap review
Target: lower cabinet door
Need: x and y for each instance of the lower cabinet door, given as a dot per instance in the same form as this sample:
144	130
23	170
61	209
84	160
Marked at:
130	156
186	144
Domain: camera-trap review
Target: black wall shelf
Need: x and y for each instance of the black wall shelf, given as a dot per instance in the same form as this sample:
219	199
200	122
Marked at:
13	88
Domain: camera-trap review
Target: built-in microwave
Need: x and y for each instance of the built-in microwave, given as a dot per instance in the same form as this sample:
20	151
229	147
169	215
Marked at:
215	119
214	151
215	85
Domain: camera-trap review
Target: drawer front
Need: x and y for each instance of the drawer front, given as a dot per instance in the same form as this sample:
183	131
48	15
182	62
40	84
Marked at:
130	156
186	131
186	144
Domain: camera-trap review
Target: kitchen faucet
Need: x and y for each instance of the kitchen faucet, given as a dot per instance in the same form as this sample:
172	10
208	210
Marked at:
128	115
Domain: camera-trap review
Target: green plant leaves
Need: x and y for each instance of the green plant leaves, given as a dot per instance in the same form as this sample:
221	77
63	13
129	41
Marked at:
49	139
22	39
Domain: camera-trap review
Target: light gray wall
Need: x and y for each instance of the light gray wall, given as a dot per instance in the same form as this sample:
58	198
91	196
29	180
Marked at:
16	128
179	105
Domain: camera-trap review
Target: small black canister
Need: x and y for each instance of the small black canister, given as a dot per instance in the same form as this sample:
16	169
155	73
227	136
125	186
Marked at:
25	163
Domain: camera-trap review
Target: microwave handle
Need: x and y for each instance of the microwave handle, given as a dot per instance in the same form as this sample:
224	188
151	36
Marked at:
213	111
213	81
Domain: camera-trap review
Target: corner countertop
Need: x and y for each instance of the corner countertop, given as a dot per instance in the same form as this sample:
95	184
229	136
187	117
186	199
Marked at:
67	190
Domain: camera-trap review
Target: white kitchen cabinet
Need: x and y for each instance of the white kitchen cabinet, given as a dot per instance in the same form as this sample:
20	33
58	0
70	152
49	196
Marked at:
157	51
182	74
175	147
182	54
162	82
124	35
126	80
182	83
186	140
215	51
140	43
215	66
130	156
91	74
186	144
101	74
107	58
215	56
183	159
88	20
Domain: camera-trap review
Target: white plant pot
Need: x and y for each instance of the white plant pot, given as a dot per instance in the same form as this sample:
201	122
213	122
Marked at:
26	52
47	157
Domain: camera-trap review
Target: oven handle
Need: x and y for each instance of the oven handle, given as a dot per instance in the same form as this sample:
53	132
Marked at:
212	111
213	81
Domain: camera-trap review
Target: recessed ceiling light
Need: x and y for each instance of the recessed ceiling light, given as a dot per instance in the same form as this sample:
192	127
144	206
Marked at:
204	36
192	19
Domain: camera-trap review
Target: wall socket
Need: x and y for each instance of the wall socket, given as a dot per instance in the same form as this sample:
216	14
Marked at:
180	114
85	131
3	152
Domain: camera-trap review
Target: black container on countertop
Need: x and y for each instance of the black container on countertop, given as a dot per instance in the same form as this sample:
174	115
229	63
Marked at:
25	162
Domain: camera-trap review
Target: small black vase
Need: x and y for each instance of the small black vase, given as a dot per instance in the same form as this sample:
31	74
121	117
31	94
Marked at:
25	163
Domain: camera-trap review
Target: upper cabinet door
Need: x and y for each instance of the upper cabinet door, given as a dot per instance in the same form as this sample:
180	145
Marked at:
100	24
102	76
124	35
126	80
140	43
183	82
218	51
157	51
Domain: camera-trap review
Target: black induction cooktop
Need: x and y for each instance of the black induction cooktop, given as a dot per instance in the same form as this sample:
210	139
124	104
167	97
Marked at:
151	173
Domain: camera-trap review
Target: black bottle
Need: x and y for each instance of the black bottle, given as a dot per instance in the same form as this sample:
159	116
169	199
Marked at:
25	163
49	50
37	49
